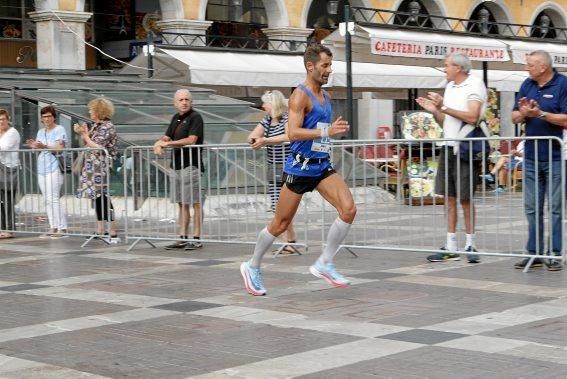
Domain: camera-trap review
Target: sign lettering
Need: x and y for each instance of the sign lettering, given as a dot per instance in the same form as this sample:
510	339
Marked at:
417	49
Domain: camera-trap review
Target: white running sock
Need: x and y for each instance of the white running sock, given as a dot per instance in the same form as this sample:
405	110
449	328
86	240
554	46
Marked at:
469	240
263	244
451	244
337	233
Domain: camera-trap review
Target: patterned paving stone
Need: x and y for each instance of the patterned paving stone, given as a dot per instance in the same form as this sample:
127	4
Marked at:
205	263
549	331
21	287
186	306
442	363
376	275
172	346
20	310
426	337
103	311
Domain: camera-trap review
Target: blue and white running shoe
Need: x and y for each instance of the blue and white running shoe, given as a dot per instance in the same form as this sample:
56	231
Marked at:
252	279
329	273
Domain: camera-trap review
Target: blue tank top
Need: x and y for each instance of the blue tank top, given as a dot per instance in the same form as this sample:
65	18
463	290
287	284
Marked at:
316	149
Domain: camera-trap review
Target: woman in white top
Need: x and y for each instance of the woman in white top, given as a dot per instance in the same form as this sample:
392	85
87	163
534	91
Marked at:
271	132
49	176
9	140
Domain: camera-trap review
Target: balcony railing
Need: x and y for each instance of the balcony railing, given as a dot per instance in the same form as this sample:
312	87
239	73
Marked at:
434	23
231	42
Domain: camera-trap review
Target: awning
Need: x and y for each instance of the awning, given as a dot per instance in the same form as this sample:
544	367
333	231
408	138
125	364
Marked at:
401	43
519	50
389	46
502	80
284	71
273	71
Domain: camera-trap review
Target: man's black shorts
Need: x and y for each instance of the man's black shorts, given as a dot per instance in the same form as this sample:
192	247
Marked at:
456	177
303	184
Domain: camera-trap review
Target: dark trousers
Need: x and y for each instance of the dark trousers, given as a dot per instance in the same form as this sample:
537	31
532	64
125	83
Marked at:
7	200
104	208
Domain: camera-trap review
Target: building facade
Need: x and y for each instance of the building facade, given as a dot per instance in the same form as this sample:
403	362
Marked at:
52	33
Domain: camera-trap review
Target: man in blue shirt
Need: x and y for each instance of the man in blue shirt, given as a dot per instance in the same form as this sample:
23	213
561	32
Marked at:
542	105
308	168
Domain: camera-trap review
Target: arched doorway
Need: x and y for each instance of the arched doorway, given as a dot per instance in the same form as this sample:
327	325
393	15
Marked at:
237	24
413	13
486	17
324	16
543	27
547	23
122	26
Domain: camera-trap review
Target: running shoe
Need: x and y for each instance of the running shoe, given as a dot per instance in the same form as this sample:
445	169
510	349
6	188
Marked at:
554	265
252	279
524	262
193	245
177	245
329	273
489	178
442	257
472	258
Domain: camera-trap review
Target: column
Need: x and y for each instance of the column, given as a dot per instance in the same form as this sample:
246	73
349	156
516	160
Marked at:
507	100
184	32
58	47
288	34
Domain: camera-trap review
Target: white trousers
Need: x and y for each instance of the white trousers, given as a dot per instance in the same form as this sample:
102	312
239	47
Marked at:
50	186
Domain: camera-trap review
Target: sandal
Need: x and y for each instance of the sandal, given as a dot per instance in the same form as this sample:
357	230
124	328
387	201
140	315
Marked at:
290	250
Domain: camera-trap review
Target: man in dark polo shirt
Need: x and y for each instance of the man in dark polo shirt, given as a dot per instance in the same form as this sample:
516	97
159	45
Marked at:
186	128
542	104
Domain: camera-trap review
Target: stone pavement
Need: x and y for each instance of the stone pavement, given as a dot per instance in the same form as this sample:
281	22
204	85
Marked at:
151	313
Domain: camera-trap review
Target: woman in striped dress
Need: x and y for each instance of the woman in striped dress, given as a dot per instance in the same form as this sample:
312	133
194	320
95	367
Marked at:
271	132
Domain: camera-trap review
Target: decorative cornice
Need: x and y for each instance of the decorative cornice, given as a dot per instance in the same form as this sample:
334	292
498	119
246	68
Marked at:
55	15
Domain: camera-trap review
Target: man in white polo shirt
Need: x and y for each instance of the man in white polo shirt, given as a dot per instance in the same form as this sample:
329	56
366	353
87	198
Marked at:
464	102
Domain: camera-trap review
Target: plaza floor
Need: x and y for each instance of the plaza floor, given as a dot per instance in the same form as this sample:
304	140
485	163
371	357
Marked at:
101	311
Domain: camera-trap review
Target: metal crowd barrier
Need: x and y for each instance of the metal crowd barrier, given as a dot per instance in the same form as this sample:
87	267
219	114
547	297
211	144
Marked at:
234	186
393	184
28	201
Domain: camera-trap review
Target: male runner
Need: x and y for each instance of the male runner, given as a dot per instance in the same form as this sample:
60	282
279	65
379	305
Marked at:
307	168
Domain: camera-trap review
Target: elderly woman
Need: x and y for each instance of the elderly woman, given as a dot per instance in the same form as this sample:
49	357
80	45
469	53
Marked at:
271	132
9	140
49	177
93	183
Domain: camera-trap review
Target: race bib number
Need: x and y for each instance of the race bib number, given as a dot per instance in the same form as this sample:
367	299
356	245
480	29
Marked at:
322	145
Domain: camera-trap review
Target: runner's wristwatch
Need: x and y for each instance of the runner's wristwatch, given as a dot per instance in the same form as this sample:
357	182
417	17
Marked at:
542	115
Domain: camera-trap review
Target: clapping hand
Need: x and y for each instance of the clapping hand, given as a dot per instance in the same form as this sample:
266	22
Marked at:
34	144
427	104
529	108
432	103
81	129
435	98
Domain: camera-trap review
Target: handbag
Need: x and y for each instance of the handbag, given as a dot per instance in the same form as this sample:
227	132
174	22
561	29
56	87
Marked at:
65	162
8	176
77	166
474	150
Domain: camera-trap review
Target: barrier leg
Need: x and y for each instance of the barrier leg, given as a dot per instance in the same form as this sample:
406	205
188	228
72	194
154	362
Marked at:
95	237
138	240
529	265
349	250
